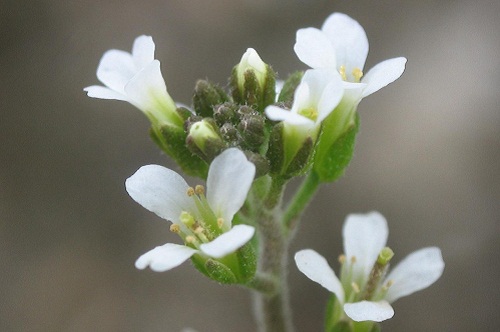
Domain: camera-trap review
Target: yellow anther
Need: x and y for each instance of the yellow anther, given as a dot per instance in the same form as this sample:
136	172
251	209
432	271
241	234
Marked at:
310	113
199	189
190	239
342	259
389	283
190	191
174	228
353	259
357	73
220	222
342	73
355	287
199	230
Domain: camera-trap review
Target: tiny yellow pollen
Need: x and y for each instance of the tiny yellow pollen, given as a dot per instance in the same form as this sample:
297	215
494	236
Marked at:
174	228
342	73
220	222
199	189
355	287
342	259
190	239
357	73
190	191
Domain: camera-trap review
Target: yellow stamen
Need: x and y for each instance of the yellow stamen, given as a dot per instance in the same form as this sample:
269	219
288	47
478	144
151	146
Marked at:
355	287
199	189
190	191
342	73
353	259
190	239
220	222
174	228
199	230
357	73
342	259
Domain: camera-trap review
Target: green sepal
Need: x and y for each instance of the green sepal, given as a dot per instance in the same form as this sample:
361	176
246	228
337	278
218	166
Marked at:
276	152
269	90
247	259
288	90
206	96
254	93
333	316
342	326
172	141
219	272
299	165
331	161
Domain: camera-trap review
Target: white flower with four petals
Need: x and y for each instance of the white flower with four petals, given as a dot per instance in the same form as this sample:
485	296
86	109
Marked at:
365	236
203	222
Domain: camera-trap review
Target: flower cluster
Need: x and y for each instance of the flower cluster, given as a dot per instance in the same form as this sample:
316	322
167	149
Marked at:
247	142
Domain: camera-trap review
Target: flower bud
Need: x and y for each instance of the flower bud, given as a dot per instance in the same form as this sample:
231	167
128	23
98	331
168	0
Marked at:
251	128
206	95
204	140
224	113
253	81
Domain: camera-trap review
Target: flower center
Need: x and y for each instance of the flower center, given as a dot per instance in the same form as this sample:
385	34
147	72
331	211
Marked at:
199	226
310	113
356	74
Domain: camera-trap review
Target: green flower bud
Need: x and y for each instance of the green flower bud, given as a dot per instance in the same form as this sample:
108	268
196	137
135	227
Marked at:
230	134
206	95
252	129
224	113
260	162
253	81
204	139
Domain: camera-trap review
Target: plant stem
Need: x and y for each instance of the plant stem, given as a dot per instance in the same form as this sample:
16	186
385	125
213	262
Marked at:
300	201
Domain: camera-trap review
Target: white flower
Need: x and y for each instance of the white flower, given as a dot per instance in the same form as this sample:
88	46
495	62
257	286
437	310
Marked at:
317	95
203	222
363	295
342	45
136	78
251	61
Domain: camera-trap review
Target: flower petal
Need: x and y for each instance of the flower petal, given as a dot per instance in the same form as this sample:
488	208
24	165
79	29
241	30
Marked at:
230	177
97	91
367	310
331	97
115	69
229	241
148	92
383	74
364	236
349	41
314	49
143	51
417	271
165	257
278	114
160	190
316	268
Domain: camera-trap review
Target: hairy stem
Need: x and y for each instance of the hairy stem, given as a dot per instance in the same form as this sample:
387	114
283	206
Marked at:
300	201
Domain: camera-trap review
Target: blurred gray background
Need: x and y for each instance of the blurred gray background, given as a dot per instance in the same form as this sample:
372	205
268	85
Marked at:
427	158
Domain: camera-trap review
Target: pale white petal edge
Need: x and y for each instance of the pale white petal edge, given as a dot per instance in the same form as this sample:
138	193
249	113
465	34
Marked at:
228	242
165	257
369	311
101	92
364	236
143	51
314	49
316	268
230	177
417	271
383	74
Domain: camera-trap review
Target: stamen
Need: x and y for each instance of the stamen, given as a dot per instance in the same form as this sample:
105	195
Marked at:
174	228
190	191
357	73
342	73
199	189
353	259
310	113
342	259
191	239
220	222
355	287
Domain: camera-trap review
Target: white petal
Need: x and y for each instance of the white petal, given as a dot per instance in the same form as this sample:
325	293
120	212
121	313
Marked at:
148	92
383	74
160	190
230	177
115	69
165	257
316	268
364	236
349	40
330	98
278	114
417	271
143	51
229	241
97	91
314	49
367	310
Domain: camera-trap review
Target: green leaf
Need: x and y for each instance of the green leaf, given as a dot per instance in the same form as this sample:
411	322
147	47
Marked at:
331	164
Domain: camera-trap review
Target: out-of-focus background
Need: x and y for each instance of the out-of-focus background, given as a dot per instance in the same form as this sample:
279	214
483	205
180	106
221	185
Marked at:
427	158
